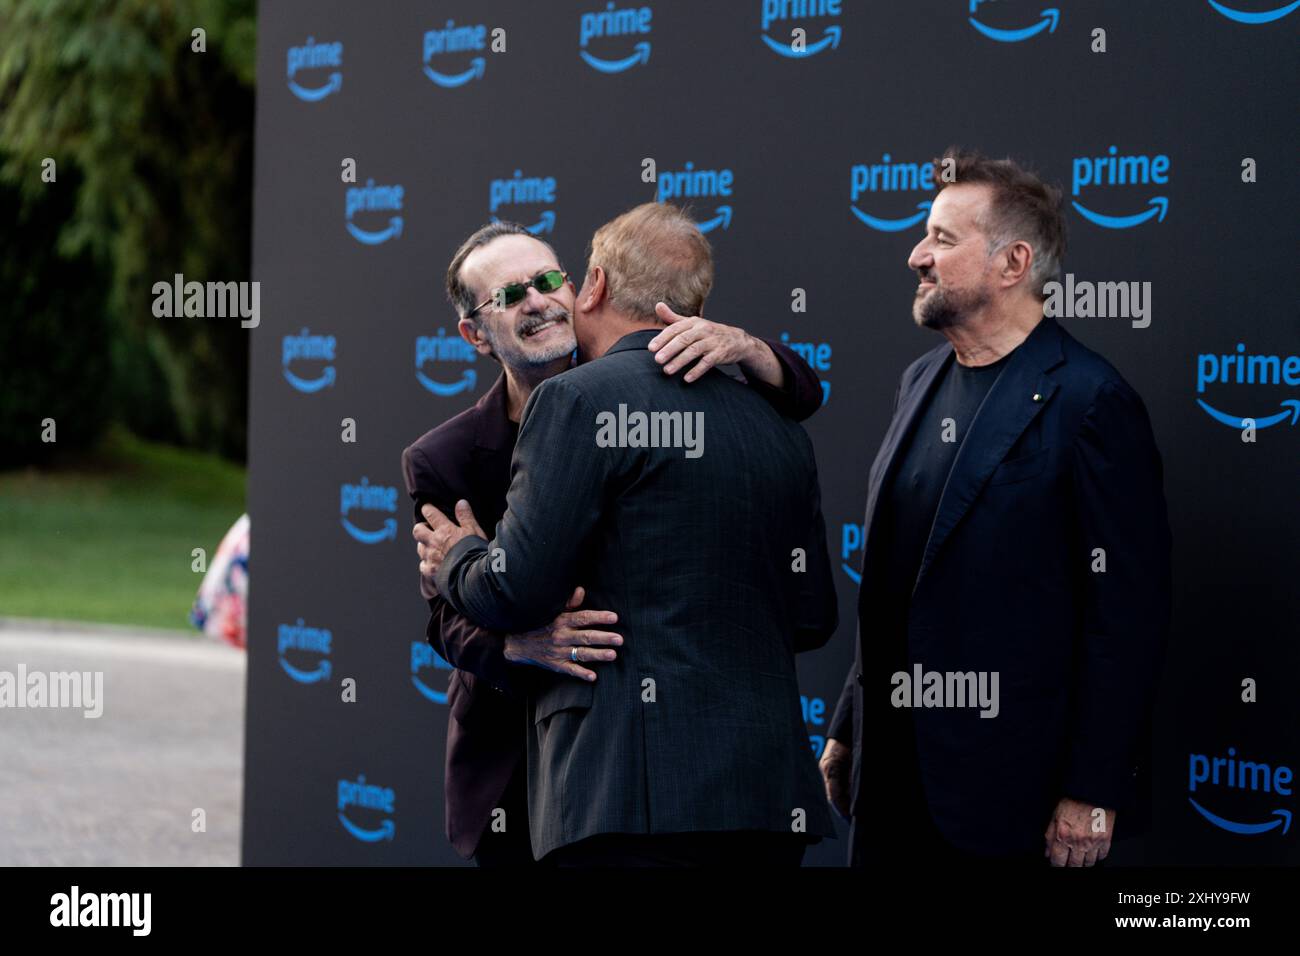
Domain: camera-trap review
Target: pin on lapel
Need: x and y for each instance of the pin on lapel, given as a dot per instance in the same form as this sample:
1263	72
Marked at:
1038	397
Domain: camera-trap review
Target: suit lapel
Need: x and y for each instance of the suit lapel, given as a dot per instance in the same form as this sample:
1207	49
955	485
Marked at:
1016	398
491	418
489	464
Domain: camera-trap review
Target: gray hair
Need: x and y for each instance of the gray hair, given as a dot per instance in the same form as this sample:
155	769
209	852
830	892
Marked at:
1023	207
654	253
462	297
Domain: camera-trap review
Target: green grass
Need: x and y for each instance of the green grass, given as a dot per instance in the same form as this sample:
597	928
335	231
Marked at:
110	539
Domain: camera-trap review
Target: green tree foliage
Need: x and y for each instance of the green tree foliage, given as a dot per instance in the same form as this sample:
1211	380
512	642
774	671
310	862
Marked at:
46	373
153	145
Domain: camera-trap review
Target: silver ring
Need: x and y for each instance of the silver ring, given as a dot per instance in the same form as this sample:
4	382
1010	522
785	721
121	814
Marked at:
573	655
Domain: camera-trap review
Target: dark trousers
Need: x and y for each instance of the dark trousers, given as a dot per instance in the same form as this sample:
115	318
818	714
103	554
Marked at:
747	848
892	827
511	847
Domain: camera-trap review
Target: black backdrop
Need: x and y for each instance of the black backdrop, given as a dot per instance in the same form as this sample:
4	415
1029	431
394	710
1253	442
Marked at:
329	781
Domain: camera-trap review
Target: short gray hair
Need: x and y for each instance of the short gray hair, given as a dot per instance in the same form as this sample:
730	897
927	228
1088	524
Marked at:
1023	206
461	295
654	253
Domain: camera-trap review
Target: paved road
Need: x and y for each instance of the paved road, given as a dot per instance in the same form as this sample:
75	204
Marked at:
120	790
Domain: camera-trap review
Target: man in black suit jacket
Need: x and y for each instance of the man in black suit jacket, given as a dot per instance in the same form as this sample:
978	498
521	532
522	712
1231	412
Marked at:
468	457
691	747
1016	532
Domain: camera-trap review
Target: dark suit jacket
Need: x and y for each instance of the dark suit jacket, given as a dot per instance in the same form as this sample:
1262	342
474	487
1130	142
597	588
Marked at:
1060	460
697	726
468	457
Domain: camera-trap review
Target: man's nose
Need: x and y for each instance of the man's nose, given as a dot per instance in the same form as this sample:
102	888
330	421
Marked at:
920	257
534	301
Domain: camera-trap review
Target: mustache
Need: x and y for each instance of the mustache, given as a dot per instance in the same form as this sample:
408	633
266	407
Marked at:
926	275
532	322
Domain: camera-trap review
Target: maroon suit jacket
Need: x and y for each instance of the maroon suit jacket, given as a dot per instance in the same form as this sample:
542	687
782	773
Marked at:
468	457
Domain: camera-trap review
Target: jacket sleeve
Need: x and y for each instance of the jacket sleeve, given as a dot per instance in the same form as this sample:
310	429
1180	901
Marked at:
465	645
818	612
557	489
800	394
841	725
842	720
461	642
1120	503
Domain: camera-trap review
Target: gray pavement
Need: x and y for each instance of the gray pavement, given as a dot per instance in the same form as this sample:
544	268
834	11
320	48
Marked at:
121	789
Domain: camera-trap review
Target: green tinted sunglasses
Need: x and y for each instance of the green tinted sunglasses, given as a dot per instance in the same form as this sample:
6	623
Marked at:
508	295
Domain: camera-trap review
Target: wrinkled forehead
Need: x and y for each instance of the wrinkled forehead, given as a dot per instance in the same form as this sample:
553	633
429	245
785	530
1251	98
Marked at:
504	260
960	208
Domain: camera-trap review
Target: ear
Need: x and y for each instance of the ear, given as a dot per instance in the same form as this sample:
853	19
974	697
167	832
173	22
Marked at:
1016	261
473	334
593	290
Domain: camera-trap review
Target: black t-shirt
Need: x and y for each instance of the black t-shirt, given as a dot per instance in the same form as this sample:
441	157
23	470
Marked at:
908	505
911	497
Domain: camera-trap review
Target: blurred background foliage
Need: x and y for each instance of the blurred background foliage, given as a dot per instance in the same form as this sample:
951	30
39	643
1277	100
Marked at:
152	143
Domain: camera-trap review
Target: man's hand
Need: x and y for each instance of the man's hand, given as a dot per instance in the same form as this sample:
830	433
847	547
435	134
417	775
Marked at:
836	766
1070	836
439	536
558	644
689	338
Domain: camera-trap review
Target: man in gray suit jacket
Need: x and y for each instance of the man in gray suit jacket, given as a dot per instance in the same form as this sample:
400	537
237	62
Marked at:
690	748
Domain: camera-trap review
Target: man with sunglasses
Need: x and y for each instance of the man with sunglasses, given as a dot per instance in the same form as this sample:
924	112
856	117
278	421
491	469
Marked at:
515	304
